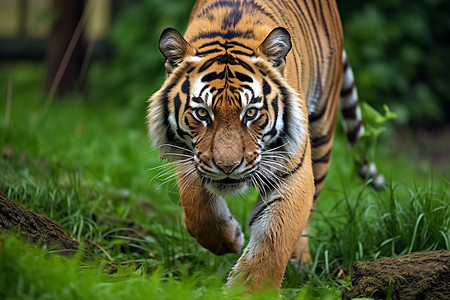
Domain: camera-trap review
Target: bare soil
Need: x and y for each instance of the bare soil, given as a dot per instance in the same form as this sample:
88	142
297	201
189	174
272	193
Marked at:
421	275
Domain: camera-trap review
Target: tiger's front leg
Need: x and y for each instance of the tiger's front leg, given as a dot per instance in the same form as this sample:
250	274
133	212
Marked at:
208	219
276	225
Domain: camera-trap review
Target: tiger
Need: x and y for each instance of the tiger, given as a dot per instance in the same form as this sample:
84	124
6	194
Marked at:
250	98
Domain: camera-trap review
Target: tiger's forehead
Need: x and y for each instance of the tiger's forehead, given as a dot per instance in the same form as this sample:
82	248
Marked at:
226	86
225	74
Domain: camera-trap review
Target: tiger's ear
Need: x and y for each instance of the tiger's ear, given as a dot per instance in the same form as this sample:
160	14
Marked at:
276	46
174	48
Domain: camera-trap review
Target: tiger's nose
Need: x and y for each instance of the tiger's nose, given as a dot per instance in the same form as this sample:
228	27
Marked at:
228	168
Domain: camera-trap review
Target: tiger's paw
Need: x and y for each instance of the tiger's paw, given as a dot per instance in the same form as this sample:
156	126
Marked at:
221	237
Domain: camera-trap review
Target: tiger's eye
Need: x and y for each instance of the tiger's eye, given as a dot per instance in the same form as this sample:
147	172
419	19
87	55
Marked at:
251	113
202	113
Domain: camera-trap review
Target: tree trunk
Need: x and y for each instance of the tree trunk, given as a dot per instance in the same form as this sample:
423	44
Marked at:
421	276
71	80
33	227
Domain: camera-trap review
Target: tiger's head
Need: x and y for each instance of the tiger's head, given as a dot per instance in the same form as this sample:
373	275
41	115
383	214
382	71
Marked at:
225	112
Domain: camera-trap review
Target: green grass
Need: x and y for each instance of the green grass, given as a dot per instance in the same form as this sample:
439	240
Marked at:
89	166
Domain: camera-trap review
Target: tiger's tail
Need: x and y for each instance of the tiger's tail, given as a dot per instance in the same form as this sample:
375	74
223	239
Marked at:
353	125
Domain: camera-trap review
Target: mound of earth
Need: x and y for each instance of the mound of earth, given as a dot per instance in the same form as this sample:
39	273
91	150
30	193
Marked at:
424	275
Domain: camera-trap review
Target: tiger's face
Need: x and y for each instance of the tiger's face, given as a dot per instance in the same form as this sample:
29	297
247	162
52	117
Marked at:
226	113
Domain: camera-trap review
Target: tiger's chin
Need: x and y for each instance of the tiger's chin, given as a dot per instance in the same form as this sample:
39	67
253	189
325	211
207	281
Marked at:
227	186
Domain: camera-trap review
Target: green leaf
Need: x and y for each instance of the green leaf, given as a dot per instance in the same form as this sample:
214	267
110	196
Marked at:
374	124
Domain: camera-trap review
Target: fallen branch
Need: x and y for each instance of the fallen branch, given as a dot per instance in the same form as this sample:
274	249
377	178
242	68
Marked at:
34	228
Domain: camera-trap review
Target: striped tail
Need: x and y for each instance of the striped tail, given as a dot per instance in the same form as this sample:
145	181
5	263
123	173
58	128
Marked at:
352	123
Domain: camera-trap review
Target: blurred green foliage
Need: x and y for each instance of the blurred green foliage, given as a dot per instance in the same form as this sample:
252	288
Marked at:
400	53
136	69
398	49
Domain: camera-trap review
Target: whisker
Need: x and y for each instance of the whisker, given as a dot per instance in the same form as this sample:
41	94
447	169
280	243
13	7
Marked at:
176	146
187	180
171	164
257	184
167	180
261	185
179	154
171	168
275	165
278	147
279	157
271	180
186	171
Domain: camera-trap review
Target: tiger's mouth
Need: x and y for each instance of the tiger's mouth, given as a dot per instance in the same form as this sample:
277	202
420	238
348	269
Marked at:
227	185
228	180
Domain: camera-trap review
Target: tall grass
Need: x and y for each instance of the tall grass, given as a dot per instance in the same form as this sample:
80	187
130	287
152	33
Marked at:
365	224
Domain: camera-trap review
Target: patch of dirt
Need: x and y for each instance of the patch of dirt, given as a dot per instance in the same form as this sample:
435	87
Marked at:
424	275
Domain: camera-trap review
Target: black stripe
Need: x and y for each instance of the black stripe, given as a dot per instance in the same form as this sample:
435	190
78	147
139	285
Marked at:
226	45
207	64
316	195
211	44
205	87
350	112
188	124
209	52
286	112
257	215
185	86
320	180
319	141
323	159
245	6
275	107
257	100
170	136
177	106
197	100
273	131
245	65
266	88
313	117
265	124
234	43
243	77
345	92
352	135
314	26
239	52
225	59
213	76
297	167
229	34
315	71
324	19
